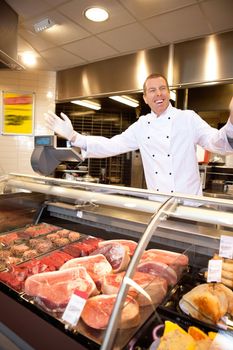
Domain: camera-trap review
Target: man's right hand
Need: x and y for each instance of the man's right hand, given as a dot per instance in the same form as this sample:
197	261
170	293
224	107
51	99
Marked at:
61	126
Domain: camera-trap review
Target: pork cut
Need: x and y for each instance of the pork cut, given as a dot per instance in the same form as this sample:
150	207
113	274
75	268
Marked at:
129	244
96	265
52	290
166	257
159	269
154	286
116	254
98	309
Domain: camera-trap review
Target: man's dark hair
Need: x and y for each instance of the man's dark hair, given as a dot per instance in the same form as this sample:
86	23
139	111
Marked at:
154	75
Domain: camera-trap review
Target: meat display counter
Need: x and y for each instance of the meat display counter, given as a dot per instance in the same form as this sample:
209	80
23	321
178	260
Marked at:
189	226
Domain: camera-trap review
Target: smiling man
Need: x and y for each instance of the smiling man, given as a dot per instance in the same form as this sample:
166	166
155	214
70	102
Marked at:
166	137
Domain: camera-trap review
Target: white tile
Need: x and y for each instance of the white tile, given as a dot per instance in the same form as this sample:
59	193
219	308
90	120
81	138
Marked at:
142	10
91	49
129	38
178	25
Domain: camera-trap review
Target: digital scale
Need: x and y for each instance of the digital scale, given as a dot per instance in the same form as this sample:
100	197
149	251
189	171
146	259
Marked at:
46	156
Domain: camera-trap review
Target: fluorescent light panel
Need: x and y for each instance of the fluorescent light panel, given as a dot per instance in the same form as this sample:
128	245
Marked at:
126	100
88	104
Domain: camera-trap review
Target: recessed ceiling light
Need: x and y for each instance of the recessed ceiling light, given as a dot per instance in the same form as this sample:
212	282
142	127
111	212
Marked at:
96	14
28	58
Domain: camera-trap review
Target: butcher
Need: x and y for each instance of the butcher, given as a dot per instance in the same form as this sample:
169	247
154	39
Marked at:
167	138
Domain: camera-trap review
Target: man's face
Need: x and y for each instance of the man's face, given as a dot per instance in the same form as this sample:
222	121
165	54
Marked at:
157	95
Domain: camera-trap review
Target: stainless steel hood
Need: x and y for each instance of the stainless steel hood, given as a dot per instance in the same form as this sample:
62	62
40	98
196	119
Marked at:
8	38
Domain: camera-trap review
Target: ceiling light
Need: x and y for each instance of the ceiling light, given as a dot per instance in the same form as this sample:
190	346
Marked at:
126	100
96	14
28	58
88	104
173	95
43	25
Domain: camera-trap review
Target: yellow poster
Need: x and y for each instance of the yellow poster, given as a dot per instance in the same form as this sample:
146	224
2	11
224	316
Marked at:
18	113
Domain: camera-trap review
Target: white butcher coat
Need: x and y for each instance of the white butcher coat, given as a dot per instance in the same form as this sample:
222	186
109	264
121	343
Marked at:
167	145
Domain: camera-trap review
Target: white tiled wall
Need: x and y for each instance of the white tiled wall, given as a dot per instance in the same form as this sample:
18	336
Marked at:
15	150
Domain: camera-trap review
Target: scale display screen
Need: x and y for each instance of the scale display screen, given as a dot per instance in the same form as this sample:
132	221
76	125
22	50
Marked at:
47	140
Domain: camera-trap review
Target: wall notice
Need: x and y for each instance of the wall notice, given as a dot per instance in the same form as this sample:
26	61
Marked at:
18	113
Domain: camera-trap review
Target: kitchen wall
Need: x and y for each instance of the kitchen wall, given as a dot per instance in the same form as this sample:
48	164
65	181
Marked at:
15	150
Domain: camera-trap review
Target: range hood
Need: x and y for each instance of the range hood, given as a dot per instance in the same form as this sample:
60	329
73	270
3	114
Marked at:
8	38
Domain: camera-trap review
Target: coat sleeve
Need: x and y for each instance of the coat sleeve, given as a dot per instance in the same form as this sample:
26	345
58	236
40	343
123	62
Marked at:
101	147
211	139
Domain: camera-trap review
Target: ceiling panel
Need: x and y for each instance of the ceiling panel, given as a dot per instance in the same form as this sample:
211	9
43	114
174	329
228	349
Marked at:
146	9
91	49
132	25
218	13
188	22
128	38
60	58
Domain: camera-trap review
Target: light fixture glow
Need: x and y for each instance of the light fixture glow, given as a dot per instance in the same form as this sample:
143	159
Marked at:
96	14
126	100
43	25
173	95
28	58
88	104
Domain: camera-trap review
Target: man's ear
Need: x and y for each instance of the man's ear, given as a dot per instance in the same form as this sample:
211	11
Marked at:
145	99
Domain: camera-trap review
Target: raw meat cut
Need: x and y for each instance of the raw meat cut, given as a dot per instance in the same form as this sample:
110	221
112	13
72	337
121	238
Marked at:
98	309
166	257
159	269
52	290
155	286
96	265
116	254
130	245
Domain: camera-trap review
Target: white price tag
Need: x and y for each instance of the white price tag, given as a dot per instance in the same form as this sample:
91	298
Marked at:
226	247
79	214
214	270
75	307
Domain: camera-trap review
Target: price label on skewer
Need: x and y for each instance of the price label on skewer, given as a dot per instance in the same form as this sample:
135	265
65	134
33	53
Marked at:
75	307
214	271
226	247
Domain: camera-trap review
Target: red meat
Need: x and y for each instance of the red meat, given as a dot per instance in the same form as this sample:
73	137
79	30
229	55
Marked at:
154	286
96	265
128	244
98	309
52	290
116	254
159	269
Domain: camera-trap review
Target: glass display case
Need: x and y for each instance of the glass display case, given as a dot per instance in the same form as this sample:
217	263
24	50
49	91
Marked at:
153	250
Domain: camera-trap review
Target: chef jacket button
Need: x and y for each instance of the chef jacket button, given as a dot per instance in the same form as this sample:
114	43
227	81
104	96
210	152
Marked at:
148	122
170	173
153	155
168	155
167	137
148	137
156	172
157	190
172	191
169	117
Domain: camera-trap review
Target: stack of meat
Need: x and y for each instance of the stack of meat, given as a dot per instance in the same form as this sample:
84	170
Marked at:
105	267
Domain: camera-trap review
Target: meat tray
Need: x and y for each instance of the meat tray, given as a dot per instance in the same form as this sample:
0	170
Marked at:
31	241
